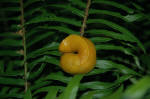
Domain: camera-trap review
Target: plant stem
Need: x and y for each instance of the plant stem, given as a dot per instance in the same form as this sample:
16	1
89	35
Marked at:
24	45
85	18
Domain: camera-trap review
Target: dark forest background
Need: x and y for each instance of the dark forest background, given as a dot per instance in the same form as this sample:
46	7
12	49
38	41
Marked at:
30	33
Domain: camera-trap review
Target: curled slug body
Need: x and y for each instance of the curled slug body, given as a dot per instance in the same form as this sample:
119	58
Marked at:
81	62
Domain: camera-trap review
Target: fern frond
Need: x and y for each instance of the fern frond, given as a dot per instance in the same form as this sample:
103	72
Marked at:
115	4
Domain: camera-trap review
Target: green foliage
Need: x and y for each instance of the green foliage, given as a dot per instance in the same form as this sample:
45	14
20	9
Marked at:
138	90
119	30
28	94
116	95
72	88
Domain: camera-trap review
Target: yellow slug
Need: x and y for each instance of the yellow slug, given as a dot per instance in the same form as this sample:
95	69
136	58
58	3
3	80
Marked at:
79	54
